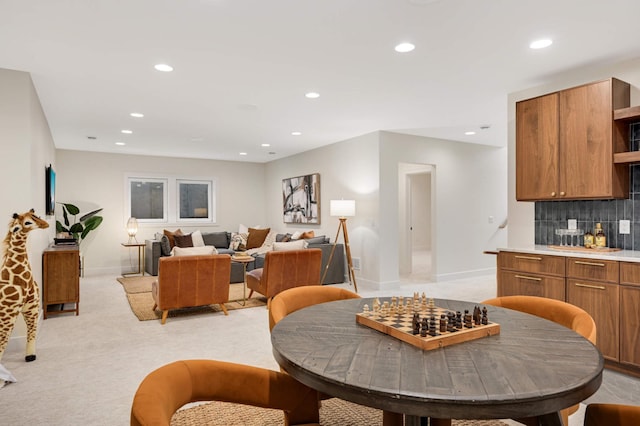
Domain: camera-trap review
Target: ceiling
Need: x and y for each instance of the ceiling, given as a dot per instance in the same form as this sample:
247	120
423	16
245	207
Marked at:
242	68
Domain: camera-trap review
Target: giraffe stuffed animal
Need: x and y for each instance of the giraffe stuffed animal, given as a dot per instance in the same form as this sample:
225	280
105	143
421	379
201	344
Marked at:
18	290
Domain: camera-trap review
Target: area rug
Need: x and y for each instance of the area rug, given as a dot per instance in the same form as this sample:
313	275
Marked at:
138	292
333	412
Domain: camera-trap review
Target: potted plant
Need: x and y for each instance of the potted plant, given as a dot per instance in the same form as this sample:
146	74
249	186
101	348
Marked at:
81	227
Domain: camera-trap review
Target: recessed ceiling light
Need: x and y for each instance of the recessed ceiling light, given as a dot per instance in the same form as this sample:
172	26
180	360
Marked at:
197	139
266	144
469	133
312	95
126	132
92	138
541	44
404	47
163	67
136	115
120	143
296	133
243	153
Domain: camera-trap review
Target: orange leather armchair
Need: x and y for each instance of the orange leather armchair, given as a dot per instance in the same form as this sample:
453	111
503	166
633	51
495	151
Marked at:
170	387
285	269
297	298
612	415
185	281
557	311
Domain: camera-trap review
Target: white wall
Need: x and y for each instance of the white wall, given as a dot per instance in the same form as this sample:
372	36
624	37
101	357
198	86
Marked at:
470	185
92	180
521	214
348	170
27	148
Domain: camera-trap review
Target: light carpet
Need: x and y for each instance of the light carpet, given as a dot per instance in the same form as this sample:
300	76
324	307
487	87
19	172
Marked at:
138	292
333	412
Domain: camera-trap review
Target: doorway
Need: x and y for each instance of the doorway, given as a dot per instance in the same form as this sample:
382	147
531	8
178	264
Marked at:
416	239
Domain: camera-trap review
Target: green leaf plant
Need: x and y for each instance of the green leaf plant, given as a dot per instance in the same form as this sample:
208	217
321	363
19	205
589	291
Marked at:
81	227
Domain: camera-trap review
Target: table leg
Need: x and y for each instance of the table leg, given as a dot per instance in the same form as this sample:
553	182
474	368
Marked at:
424	421
392	419
244	283
551	419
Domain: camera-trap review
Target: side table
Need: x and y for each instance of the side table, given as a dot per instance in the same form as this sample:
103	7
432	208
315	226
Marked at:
140	247
244	260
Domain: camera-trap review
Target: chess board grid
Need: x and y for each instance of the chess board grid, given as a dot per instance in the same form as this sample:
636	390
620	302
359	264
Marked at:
403	330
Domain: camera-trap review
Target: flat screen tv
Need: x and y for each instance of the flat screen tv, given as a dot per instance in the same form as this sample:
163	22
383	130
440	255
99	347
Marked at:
50	201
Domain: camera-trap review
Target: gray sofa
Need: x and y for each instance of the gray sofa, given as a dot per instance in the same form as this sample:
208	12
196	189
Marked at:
221	241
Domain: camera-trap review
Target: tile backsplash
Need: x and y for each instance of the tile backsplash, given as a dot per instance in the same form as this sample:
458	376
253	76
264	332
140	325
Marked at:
552	215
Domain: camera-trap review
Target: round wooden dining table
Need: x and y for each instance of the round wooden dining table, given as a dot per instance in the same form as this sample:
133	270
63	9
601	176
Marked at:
533	368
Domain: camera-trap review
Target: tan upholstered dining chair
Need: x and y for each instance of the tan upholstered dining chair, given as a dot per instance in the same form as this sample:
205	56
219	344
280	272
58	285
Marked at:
612	415
168	388
557	311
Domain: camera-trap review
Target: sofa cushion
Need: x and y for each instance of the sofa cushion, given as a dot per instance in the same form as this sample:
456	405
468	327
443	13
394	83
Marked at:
238	241
183	240
193	251
320	239
225	251
196	238
256	237
165	246
171	234
217	239
291	245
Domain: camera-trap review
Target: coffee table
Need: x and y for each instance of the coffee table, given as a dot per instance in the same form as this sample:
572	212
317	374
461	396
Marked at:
533	368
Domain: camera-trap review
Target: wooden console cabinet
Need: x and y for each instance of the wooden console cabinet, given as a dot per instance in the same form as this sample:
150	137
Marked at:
565	142
61	279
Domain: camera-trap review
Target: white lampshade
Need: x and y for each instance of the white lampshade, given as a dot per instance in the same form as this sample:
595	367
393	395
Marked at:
342	208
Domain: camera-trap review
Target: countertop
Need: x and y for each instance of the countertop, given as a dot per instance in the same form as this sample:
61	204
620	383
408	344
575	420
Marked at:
622	256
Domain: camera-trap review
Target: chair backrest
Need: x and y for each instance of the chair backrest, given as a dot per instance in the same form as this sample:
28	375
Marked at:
300	297
612	414
291	268
170	387
554	310
193	280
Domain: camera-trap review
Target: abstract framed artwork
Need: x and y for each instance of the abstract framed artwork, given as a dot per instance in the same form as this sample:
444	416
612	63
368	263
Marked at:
301	199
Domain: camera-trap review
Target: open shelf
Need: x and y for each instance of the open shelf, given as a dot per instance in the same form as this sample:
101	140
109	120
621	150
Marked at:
627	114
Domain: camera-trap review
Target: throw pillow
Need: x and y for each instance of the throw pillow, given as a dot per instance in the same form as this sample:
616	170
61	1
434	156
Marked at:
194	251
170	236
165	246
256	237
183	240
196	238
238	241
217	239
320	239
296	235
292	245
306	235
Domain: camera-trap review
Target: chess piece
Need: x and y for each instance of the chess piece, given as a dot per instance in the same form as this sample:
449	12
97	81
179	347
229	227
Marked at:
416	323
443	323
485	319
365	310
477	315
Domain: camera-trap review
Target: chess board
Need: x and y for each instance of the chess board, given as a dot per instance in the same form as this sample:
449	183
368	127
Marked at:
400	326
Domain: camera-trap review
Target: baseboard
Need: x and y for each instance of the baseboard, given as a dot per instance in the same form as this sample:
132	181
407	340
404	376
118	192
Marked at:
465	274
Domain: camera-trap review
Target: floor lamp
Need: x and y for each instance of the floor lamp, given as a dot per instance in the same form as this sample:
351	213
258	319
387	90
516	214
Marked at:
342	209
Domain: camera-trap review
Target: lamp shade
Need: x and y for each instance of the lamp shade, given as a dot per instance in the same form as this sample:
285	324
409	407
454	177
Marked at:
132	226
342	208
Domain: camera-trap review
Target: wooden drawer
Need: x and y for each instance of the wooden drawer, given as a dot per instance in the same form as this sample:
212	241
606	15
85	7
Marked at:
630	273
535	263
593	269
521	283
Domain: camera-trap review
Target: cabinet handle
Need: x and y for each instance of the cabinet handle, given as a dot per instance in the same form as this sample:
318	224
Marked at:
597	287
524	277
580	262
553	194
562	193
529	258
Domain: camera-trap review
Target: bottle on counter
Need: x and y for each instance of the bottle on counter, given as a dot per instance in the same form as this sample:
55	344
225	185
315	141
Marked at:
600	238
589	241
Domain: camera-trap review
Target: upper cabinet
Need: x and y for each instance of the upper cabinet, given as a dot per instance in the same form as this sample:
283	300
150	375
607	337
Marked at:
565	142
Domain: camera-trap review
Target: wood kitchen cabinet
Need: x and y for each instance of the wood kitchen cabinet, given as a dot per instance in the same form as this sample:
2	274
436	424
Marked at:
630	314
531	275
565	142
61	279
